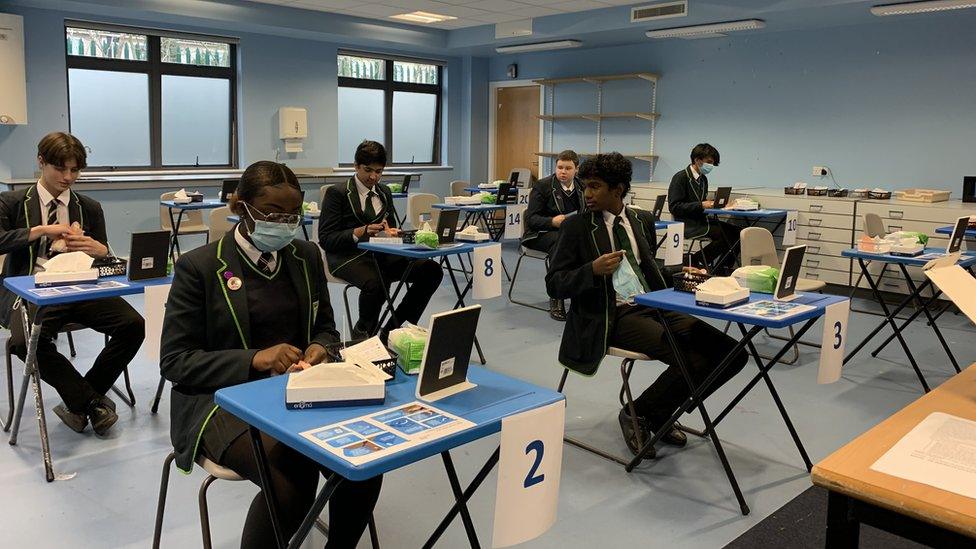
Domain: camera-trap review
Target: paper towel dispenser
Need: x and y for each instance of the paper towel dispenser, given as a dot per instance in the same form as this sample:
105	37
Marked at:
292	127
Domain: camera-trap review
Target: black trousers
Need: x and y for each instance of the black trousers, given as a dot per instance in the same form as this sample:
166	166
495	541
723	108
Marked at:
424	279
295	479
723	236
545	242
704	346
113	317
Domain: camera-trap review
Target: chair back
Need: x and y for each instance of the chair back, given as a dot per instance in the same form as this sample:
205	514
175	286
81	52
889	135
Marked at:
458	186
524	176
191	218
219	224
422	204
659	206
873	226
757	247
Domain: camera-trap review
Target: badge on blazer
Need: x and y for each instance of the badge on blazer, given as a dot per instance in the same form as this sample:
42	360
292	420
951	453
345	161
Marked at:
233	283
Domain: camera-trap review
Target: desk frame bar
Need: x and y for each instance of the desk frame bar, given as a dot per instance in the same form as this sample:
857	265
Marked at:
733	246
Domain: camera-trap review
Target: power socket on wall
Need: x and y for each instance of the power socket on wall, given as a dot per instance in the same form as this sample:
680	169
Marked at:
820	171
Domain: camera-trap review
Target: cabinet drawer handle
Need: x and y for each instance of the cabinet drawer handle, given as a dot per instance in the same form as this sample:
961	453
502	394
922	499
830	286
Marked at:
894	228
814	249
890	284
813	263
815	222
896	214
816	207
813	236
813	275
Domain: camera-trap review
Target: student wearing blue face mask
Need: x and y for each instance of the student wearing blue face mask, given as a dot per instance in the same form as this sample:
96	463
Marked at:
688	200
252	305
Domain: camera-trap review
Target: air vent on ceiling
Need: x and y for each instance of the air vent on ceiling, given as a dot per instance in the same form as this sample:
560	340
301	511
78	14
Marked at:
663	10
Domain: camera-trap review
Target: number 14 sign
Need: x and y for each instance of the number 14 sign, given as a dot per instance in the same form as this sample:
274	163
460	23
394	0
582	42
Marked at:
529	468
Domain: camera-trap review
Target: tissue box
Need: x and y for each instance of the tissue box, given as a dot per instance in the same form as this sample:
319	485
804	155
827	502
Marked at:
47	278
471	237
758	278
907	250
723	299
334	384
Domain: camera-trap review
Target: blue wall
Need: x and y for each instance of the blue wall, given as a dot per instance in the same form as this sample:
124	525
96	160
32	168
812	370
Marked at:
889	104
275	71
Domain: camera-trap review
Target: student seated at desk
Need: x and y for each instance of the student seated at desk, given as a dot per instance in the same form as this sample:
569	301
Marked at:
252	305
31	221
591	248
354	211
551	201
687	202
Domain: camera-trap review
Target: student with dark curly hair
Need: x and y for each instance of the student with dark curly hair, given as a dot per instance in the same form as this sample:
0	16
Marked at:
604	258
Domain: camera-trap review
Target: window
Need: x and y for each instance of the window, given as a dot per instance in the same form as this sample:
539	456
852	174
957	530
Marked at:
145	99
394	101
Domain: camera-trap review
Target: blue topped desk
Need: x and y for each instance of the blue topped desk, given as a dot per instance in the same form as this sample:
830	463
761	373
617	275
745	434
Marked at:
966	261
261	405
307	221
174	222
475	214
753	217
684	302
414	252
970	233
23	287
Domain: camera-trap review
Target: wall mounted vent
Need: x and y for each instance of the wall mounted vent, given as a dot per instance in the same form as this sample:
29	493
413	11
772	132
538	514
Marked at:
663	10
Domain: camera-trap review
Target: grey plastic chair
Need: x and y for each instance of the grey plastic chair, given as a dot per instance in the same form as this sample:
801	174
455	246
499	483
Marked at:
419	204
458	186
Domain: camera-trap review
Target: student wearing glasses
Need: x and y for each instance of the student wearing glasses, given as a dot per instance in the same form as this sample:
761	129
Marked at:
252	305
586	268
354	211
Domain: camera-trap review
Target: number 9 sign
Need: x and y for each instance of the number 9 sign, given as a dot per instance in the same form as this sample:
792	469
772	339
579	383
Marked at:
674	243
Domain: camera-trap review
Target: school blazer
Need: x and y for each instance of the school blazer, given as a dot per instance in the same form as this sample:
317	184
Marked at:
591	316
19	211
206	337
342	212
546	201
684	201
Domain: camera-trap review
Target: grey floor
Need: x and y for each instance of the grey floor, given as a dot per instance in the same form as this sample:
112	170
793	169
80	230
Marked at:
679	500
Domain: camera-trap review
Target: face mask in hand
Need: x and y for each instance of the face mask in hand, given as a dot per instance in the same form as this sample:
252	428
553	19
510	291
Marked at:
625	281
706	168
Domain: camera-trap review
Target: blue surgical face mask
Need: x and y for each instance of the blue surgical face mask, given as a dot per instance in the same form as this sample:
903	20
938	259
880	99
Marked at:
269	236
625	281
706	168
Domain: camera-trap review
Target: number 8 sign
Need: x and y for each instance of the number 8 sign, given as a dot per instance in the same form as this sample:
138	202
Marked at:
487	272
529	467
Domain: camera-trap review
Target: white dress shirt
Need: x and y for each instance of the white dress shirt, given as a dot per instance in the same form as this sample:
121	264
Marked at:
251	251
609	218
63	218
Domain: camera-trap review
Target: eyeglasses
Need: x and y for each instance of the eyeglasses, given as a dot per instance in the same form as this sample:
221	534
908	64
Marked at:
274	217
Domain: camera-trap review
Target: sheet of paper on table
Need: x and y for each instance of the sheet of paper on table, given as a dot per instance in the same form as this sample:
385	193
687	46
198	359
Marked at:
940	451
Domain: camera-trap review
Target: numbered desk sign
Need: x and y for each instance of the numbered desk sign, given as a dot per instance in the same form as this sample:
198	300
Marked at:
523	196
487	272
513	221
834	339
154	310
790	230
674	244
529	468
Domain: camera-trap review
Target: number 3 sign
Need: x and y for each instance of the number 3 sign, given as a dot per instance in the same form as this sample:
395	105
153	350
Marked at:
529	468
834	338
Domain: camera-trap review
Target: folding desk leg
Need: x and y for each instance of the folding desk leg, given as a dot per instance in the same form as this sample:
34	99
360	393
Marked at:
264	472
776	399
458	495
32	376
460	302
709	426
159	395
468	492
907	322
173	228
176	231
894	327
917	295
308	522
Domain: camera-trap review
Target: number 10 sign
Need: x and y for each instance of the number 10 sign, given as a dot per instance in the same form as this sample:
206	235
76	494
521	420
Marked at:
529	468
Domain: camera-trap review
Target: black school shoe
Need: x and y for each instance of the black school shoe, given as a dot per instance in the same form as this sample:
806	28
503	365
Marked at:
102	417
106	401
75	422
557	310
630	435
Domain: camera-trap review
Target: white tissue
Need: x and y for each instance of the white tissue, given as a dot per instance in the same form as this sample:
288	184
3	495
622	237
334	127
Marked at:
719	285
180	194
426	227
69	263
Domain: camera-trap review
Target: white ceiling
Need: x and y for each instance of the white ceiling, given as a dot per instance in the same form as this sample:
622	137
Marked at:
469	13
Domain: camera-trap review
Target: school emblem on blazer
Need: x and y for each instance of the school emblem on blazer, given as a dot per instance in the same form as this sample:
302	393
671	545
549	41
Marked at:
233	283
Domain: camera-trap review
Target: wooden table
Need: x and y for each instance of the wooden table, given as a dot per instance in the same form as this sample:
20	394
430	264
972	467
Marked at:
909	509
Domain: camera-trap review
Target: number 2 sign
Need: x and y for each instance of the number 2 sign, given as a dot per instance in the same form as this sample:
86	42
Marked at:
529	468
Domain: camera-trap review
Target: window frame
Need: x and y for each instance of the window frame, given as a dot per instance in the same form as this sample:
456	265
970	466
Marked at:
155	69
389	86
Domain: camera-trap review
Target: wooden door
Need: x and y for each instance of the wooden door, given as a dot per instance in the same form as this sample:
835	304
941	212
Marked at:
516	130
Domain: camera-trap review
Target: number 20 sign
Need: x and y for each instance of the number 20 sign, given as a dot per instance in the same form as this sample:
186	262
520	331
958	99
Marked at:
529	468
